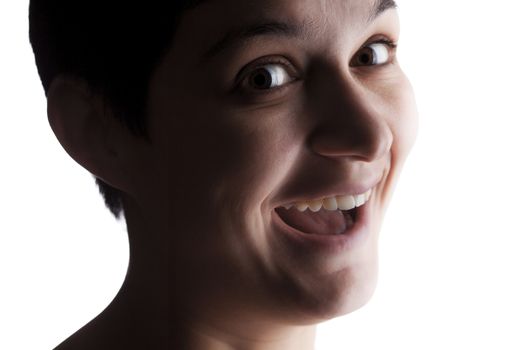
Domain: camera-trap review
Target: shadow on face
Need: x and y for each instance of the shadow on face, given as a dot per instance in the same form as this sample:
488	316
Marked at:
267	119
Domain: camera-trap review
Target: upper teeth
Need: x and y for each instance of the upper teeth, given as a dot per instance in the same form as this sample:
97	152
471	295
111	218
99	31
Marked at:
333	203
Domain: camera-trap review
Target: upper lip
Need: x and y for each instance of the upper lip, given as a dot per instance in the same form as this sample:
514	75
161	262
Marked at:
339	189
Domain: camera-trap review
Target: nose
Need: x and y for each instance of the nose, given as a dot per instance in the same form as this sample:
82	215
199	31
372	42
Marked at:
350	120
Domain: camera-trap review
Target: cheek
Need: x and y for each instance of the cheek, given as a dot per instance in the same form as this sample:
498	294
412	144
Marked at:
232	159
403	119
265	148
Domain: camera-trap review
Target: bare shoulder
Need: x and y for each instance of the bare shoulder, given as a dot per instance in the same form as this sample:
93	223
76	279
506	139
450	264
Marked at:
83	339
73	342
90	337
97	336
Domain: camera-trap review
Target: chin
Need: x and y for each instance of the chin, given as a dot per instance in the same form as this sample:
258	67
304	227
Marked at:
355	302
349	292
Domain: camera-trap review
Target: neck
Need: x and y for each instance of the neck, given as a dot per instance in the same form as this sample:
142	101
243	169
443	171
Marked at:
136	320
159	308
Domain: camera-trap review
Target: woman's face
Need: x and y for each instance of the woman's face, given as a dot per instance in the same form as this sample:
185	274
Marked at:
260	104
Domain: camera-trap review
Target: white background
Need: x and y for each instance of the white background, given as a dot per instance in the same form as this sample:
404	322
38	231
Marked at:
452	262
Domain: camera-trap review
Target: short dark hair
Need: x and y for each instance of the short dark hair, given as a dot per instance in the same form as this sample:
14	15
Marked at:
113	45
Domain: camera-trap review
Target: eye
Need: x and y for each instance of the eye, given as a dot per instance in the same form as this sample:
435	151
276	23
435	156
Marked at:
374	54
268	76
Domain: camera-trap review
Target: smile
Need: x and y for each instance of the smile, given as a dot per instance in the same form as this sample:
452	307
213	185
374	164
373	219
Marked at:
327	216
345	202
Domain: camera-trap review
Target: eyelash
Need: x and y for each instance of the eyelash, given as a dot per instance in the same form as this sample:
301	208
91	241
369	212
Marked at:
384	40
244	74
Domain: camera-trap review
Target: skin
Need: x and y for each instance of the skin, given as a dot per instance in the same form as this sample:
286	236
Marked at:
208	270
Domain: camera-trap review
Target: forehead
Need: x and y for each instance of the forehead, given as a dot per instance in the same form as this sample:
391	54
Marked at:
219	22
224	13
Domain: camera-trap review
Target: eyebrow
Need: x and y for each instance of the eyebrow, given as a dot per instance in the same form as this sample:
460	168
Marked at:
381	6
274	28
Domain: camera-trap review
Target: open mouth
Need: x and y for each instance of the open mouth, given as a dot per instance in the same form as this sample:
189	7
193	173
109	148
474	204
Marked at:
330	216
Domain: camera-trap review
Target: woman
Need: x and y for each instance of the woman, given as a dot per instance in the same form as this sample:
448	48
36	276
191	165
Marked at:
252	146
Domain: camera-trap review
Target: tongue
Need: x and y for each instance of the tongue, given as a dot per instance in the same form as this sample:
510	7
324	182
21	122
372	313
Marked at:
324	222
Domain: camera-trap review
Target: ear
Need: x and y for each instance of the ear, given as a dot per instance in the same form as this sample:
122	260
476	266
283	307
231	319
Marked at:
86	129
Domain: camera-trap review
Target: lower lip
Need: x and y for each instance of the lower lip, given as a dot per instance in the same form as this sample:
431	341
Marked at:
333	244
